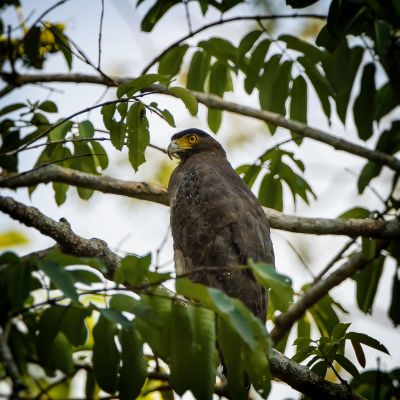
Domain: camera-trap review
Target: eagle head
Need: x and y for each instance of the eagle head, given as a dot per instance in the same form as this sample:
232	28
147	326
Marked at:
191	141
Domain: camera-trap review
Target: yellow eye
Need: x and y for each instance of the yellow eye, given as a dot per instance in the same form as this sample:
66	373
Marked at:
192	139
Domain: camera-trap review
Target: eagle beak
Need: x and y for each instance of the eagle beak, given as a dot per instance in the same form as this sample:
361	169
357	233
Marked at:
173	148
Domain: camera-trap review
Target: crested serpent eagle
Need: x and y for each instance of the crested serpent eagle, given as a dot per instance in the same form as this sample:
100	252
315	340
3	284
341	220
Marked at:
217	222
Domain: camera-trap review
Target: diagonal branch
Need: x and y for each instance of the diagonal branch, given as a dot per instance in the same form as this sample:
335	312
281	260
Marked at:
216	102
61	232
285	321
152	192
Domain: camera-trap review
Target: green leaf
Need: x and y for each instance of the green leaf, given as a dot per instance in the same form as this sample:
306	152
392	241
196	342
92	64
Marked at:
105	354
218	78
346	364
85	276
298	104
364	104
385	101
300	3
133	269
168	117
142	82
394	310
340	68
64	259
123	302
138	134
367	284
188	99
182	360
198	71
63	43
320	83
324	314
339	331
48	106
61	355
303	330
155	325
247	43
100	155
204	353
32	45
48	328
320	368
19	279
248	327
233	355
155	13
358	350
369	172
367	340
214	119
312	52
133	371
60	277
304	353
383	36
108	112
270	193
11	108
86	129
170	63
355	212
60	192
249	173
256	63
73	325
220	48
280	285
60	131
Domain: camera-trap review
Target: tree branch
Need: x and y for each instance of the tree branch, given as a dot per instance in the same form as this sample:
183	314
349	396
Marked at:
303	130
61	232
285	321
9	364
152	192
214	101
307	382
225	21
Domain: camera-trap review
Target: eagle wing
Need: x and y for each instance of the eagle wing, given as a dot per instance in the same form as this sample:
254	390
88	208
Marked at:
217	223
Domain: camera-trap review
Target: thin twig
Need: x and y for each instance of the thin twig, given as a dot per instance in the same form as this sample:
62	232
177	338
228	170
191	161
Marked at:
59	3
334	260
189	22
225	21
100	33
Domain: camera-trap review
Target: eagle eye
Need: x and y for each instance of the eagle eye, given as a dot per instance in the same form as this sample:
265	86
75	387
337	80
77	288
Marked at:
192	139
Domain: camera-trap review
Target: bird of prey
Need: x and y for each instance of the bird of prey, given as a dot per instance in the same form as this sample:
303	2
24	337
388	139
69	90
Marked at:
217	223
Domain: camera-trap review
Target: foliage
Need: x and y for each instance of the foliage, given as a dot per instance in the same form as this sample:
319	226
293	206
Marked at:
60	316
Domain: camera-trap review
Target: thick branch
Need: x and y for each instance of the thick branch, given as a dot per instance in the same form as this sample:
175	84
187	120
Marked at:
155	193
217	102
61	232
303	130
305	381
285	321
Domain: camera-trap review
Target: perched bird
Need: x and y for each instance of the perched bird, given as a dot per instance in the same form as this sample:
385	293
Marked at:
217	223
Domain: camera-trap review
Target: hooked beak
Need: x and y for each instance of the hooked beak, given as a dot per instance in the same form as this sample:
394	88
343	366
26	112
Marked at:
172	150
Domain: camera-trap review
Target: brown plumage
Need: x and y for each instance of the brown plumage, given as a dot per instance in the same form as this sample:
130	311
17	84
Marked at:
216	220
